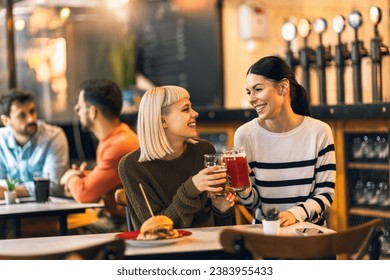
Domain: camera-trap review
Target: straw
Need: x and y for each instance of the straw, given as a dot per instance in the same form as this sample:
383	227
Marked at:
146	199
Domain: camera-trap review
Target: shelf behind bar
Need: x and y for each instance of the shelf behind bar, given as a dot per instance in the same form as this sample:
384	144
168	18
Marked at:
371	111
370	213
352	112
369	166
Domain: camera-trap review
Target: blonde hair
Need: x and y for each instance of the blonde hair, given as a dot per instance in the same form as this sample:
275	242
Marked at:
153	141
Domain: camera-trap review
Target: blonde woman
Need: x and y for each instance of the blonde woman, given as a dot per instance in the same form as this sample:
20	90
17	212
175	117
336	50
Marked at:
169	165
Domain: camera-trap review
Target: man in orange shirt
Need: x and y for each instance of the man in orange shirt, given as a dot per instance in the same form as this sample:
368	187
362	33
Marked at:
99	107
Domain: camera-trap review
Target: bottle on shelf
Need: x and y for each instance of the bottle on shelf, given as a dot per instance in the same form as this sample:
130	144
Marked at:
359	192
370	193
383	194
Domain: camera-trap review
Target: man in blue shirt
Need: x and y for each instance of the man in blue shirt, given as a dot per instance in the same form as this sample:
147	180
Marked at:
28	145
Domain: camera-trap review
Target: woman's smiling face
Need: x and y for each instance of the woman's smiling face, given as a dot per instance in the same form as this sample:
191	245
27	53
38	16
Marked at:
180	121
266	97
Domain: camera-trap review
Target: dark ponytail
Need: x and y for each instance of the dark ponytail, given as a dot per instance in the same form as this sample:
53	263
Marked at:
274	68
299	101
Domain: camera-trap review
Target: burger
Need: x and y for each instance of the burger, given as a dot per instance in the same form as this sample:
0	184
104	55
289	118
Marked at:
157	227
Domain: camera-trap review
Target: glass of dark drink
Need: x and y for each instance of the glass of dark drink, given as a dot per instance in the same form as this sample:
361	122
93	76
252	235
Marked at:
216	160
237	168
42	186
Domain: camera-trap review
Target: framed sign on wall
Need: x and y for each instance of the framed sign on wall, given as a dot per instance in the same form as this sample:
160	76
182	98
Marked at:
179	43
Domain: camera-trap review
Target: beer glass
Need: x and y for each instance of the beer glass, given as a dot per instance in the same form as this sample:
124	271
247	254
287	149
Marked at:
237	168
213	160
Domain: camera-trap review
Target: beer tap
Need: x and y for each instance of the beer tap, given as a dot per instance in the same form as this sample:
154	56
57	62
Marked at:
289	32
305	54
341	54
377	50
322	56
358	51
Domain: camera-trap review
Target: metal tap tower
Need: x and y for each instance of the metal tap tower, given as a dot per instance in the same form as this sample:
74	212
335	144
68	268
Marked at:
305	53
341	54
355	20
289	32
377	50
322	55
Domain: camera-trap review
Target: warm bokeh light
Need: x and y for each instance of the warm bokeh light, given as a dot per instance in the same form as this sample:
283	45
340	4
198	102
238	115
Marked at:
191	5
115	4
20	24
64	13
119	8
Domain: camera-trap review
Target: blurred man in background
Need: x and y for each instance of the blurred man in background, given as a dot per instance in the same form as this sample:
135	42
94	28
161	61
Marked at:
99	107
28	145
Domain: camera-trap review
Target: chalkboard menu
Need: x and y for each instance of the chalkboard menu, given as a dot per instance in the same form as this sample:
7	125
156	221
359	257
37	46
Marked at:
179	44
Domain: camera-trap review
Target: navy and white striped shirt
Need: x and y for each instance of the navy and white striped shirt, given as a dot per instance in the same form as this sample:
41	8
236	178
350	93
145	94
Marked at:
293	171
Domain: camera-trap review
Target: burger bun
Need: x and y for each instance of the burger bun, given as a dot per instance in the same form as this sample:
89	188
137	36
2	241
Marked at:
157	227
159	221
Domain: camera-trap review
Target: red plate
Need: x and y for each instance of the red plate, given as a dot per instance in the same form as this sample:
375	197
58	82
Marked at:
132	235
131	239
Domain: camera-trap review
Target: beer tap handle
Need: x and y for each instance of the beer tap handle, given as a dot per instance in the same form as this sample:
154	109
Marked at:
355	20
376	55
319	27
289	32
305	53
376	18
341	53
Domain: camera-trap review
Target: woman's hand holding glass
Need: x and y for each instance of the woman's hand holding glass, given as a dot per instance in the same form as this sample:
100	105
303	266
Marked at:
207	178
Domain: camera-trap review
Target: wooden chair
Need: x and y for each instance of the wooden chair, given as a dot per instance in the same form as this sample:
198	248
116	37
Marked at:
242	214
120	198
112	250
354	243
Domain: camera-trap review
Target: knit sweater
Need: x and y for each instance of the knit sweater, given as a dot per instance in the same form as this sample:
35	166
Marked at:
169	188
293	171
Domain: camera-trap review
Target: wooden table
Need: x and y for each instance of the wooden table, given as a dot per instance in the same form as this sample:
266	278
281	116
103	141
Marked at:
202	244
56	206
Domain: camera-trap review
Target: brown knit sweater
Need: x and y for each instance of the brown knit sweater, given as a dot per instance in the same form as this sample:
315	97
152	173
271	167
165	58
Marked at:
170	190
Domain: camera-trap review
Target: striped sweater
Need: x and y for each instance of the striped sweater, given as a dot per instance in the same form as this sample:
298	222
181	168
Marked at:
293	171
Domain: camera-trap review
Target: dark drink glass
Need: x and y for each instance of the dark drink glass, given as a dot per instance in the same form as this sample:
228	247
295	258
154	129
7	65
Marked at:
42	186
237	168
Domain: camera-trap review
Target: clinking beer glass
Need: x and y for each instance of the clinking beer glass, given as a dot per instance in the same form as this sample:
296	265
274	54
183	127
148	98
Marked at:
237	168
213	160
